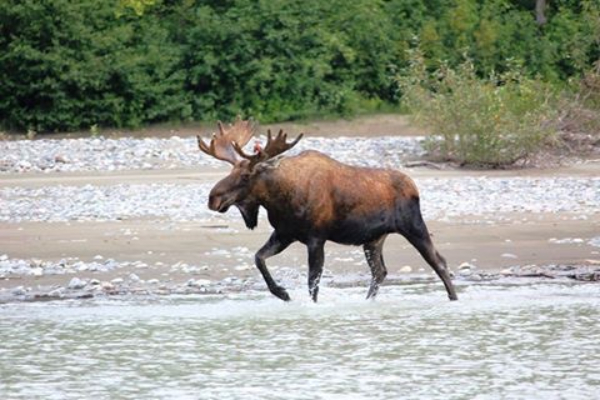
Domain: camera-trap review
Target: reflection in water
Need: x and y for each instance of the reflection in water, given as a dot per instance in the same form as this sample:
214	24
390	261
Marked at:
521	342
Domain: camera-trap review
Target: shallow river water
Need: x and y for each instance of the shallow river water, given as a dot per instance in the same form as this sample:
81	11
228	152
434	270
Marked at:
531	341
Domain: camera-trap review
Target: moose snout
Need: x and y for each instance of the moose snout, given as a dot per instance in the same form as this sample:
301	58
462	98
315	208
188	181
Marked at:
213	203
216	203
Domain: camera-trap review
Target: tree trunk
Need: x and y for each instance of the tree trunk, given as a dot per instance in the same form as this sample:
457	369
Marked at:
540	7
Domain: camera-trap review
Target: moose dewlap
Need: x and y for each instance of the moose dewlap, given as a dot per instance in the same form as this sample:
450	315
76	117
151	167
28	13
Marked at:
312	198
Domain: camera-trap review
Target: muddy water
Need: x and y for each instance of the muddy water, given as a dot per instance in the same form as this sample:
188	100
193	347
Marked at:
534	341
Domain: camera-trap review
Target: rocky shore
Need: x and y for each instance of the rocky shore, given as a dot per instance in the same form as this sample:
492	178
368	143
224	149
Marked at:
474	198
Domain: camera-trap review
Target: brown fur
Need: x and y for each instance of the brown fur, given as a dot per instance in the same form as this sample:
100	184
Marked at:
333	189
313	198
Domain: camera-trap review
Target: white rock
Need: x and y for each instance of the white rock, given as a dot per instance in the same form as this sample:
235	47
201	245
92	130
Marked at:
406	268
76	283
198	282
18	291
134	278
466	266
117	281
152	281
24	165
58	292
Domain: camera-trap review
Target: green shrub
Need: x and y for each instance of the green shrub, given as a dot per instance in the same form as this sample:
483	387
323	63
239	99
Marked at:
580	107
496	121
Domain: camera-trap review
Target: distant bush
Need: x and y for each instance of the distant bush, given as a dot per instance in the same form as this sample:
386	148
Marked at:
495	121
579	112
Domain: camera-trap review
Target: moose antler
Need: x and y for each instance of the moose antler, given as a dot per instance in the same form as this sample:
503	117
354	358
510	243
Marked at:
222	144
273	148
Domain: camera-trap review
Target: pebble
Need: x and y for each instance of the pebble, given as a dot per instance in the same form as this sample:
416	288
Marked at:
406	268
466	269
58	292
18	291
198	282
76	283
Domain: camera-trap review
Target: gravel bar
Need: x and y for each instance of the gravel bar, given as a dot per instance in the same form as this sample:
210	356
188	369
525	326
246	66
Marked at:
442	199
104	154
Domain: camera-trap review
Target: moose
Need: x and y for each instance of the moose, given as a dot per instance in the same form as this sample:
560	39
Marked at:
312	198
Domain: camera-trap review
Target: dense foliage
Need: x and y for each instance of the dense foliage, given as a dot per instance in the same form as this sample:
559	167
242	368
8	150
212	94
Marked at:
72	64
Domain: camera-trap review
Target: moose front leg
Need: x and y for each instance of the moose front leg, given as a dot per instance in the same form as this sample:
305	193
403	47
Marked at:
275	245
316	258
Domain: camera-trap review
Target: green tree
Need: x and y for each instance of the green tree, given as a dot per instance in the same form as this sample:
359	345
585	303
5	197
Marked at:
286	59
68	65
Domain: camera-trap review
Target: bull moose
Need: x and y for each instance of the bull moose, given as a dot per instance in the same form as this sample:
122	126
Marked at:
312	198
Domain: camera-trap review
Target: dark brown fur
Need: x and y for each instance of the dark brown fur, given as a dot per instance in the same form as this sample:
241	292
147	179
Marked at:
312	198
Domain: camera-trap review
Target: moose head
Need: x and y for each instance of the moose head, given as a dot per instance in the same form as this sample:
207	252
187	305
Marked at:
236	188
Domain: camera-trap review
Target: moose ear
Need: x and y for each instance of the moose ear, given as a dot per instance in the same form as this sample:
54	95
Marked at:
268	165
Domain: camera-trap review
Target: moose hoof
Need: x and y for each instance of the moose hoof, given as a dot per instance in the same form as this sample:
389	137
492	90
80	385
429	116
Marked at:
280	292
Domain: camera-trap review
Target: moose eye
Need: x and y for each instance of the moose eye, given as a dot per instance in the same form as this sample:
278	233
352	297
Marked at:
245	177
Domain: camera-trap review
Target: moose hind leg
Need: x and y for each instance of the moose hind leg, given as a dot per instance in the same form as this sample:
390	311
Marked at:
437	262
316	259
374	255
275	245
414	229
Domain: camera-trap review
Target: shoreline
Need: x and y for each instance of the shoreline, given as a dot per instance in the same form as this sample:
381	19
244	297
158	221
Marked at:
133	288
